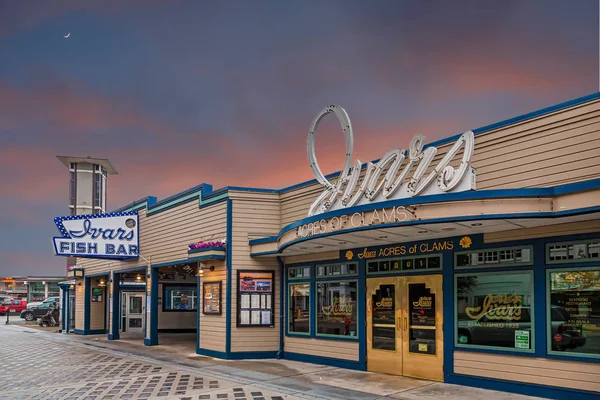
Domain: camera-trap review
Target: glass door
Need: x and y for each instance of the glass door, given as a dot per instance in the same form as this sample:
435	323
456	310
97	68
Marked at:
423	355
404	326
135	312
384	334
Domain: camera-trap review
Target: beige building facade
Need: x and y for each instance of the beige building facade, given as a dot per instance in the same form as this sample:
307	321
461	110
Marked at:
479	266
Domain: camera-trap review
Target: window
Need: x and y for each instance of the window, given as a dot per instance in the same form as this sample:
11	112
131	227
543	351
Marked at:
584	250
574	314
510	256
404	264
73	187
299	303
337	270
298	272
337	308
37	291
495	310
180	298
98	190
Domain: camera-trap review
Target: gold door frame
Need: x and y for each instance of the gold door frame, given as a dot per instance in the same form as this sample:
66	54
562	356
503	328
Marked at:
401	361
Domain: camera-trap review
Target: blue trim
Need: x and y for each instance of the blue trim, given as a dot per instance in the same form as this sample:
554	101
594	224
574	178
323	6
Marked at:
268	239
362	312
264	253
521	388
243	355
229	266
448	308
116	309
282	305
90	332
134	269
207	257
198	311
214	248
179	198
334	362
87	294
153	339
98	274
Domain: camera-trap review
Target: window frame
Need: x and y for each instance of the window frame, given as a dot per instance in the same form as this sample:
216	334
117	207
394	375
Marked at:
185	285
315	304
334	277
404	271
484	265
459	346
548	311
547	246
310	315
299	267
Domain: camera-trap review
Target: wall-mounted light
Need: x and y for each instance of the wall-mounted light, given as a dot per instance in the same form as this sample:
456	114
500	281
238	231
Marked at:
202	269
102	283
138	277
72	287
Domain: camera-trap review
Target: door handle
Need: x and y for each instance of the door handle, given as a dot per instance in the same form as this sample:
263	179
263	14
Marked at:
397	323
405	323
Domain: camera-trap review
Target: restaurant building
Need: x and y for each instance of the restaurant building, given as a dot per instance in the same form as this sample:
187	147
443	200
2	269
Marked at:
472	260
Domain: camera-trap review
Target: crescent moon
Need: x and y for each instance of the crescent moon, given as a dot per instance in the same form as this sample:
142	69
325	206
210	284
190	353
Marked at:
68	34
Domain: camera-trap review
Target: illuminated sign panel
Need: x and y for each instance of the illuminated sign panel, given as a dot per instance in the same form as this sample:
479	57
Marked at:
110	236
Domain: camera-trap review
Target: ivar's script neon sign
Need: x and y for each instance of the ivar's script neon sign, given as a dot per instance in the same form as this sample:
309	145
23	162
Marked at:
382	180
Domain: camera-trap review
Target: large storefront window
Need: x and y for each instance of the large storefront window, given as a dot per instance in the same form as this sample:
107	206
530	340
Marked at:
299	301
337	308
37	291
53	290
574	312
180	298
495	310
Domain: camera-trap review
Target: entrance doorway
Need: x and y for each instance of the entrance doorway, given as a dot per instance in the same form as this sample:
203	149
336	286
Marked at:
404	326
133	310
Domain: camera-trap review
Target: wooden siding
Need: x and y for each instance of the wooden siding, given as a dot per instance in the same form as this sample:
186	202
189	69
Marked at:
328	255
340	349
571	228
550	150
97	309
165	236
253	216
79	303
213	327
540	371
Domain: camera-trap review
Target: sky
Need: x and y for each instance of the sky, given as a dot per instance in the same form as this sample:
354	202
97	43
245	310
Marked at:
178	93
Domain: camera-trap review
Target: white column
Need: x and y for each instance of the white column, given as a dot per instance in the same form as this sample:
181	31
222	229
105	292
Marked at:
46	290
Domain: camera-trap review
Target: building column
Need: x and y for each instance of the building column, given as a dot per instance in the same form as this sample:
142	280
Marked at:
114	306
87	299
151	320
46	284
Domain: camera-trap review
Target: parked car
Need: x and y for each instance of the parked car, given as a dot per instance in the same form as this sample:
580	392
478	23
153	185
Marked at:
52	300
12	305
31	314
34	304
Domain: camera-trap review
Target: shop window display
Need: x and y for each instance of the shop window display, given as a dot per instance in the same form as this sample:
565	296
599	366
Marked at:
495	310
337	308
574	312
299	303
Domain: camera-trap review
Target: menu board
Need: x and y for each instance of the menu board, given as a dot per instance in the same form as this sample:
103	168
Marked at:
97	294
255	299
211	298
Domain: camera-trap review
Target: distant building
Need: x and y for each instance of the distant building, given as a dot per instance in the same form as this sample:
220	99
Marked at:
13	286
33	288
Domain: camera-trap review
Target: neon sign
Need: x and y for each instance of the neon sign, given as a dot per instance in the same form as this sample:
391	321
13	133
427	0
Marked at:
384	180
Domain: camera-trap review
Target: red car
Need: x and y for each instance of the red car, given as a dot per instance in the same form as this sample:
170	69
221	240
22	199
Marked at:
12	305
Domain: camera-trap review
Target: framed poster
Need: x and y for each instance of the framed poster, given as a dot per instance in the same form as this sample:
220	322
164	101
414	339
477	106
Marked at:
255	299
211	298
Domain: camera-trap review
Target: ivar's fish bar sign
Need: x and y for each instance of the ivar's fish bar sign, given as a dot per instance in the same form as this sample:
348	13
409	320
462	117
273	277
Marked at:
112	236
